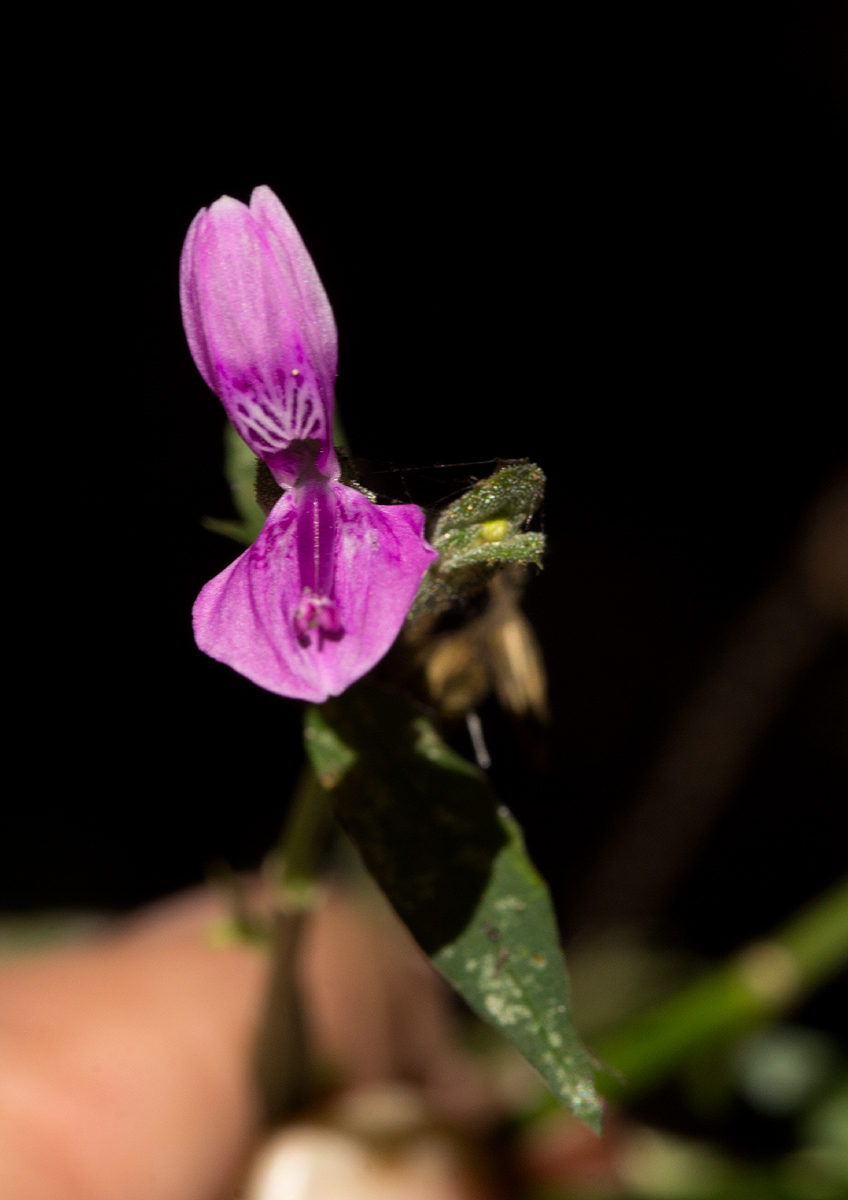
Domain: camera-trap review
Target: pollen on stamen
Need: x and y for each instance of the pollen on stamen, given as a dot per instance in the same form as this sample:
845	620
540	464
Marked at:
316	612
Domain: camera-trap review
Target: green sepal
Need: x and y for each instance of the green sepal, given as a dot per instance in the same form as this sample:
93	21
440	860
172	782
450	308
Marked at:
240	471
452	862
521	548
237	530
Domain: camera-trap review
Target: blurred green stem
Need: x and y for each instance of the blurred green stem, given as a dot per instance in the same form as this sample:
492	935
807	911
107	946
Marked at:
282	1054
295	865
282	1059
759	984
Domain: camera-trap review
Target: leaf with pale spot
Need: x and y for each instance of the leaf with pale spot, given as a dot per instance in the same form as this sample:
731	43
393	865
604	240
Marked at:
452	862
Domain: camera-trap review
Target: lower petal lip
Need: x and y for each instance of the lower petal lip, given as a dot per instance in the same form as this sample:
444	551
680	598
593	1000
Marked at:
247	617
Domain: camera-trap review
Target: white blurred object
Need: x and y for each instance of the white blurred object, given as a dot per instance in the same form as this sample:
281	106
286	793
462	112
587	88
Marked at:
475	732
378	1144
307	1162
779	1069
657	1164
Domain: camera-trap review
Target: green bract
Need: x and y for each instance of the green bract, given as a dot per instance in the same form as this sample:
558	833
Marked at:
480	531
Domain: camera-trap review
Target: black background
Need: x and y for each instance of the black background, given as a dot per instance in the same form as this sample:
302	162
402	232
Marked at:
618	250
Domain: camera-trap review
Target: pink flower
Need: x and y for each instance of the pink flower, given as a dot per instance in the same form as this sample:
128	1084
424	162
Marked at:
321	595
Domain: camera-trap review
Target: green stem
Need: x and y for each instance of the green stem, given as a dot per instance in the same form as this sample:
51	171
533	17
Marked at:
282	1055
765	980
282	1059
295	865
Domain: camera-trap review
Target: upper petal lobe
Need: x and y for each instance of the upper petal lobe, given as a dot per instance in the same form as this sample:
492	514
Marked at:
260	328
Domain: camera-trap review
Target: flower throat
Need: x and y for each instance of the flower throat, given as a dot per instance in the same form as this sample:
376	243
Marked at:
315	505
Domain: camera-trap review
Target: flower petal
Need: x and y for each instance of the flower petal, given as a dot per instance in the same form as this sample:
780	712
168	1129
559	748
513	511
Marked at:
260	330
246	616
294	263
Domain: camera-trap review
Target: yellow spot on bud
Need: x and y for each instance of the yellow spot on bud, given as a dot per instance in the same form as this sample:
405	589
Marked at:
295	371
493	531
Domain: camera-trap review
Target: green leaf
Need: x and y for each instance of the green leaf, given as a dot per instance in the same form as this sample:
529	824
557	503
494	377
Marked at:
508	965
237	530
422	817
452	862
479	532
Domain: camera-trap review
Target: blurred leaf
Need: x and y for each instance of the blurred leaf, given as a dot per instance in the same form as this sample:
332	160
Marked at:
827	1124
481	530
240	470
453	864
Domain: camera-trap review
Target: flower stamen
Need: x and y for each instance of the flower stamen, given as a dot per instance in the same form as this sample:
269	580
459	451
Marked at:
316	612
